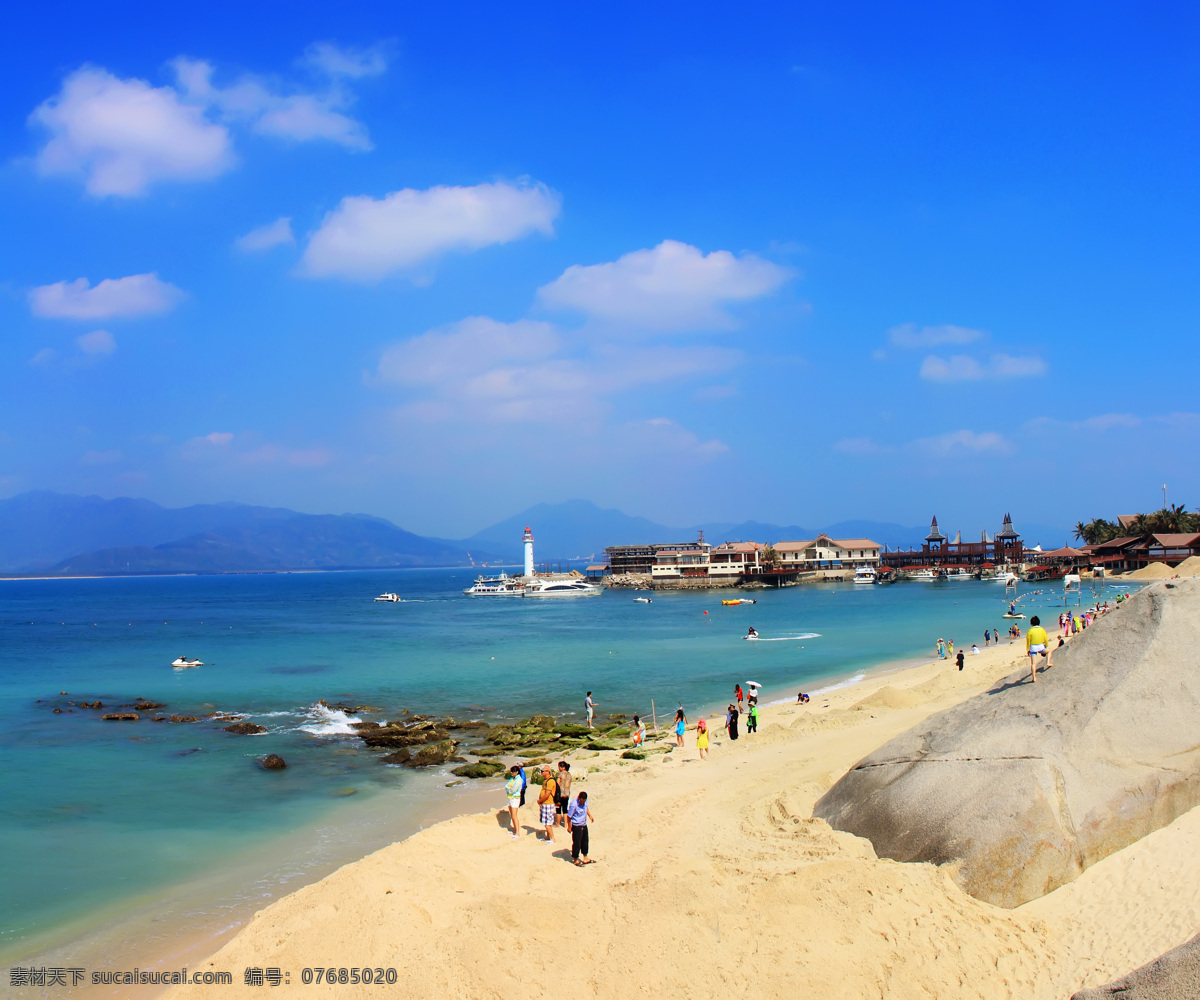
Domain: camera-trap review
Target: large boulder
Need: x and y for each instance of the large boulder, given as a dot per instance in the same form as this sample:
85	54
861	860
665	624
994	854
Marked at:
1173	976
1023	787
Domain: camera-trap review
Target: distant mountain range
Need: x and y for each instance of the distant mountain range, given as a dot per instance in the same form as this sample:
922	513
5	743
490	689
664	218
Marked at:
60	534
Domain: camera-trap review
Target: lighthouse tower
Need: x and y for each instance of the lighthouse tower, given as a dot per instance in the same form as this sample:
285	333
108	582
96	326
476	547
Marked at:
528	552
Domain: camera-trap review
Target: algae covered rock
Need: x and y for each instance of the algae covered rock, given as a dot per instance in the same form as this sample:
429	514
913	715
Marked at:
480	769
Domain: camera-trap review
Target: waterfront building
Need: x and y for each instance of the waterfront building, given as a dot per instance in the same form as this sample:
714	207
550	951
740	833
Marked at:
938	552
824	552
733	560
676	561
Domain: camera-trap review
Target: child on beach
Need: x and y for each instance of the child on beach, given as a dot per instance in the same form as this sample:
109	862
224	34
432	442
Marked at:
514	790
702	737
580	815
680	727
546	802
563	798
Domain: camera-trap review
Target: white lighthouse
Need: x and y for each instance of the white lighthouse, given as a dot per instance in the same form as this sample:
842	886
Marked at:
528	552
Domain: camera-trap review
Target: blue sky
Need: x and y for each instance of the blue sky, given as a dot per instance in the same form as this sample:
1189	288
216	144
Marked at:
694	262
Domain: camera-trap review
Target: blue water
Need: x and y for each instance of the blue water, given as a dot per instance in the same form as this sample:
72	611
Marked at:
96	812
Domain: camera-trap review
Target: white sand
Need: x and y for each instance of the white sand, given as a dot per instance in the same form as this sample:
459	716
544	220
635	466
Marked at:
711	879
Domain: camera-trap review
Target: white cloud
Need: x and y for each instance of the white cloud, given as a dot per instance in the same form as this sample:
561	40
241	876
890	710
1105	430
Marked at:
300	116
964	442
216	438
663	435
112	298
336	60
46	356
97	342
673	286
273	234
910	335
964	368
957	368
123	135
366	238
1007	366
482	369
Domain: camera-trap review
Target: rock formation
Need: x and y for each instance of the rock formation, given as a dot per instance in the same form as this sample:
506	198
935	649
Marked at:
1023	787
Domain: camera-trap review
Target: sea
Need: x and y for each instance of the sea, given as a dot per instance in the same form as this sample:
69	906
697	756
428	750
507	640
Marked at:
117	836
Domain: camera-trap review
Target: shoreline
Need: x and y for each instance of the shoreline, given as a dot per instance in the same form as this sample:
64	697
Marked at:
753	881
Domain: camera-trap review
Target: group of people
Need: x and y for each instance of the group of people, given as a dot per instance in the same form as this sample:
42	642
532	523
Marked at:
555	807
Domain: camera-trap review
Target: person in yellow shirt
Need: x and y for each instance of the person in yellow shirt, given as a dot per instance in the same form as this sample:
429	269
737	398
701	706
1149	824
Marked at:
1037	643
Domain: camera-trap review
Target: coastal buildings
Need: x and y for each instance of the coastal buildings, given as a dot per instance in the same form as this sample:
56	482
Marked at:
940	554
700	564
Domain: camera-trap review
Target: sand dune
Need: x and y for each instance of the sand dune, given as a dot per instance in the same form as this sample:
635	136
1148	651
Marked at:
711	878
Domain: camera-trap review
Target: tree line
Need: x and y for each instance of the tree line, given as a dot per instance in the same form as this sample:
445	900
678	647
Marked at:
1168	520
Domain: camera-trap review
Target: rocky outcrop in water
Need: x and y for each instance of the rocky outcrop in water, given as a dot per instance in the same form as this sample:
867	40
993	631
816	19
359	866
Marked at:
121	717
245	728
272	762
1022	788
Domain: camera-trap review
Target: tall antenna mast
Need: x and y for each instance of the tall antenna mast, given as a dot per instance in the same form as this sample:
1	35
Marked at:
1164	496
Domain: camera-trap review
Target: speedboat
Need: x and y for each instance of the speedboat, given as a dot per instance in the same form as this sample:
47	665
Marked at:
392	598
183	661
643	600
497	586
865	574
564	587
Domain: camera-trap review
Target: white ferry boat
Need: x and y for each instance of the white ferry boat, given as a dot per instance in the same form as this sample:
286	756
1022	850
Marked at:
566	586
497	586
865	574
390	598
922	575
959	573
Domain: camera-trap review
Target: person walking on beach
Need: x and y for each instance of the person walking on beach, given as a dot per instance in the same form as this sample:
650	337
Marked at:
546	799
580	816
514	790
639	731
680	727
752	718
702	738
737	693
563	798
950	647
959	659
1037	643
752	696
589	707
731	722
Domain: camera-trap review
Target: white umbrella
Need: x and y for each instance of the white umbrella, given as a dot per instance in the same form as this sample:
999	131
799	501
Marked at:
753	684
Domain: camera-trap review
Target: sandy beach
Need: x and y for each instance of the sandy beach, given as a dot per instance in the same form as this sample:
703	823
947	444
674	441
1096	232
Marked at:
711	876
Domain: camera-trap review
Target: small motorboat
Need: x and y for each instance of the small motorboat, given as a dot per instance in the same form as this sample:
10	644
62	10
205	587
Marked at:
643	600
182	661
391	598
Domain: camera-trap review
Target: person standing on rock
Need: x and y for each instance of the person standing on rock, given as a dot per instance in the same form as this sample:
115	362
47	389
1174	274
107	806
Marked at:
546	799
514	790
580	816
589	707
563	800
1037	643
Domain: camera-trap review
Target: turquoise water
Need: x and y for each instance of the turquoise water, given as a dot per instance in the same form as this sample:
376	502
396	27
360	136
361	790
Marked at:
97	812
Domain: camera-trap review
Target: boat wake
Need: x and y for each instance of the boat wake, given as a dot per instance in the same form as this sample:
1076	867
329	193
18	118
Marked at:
782	638
328	722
